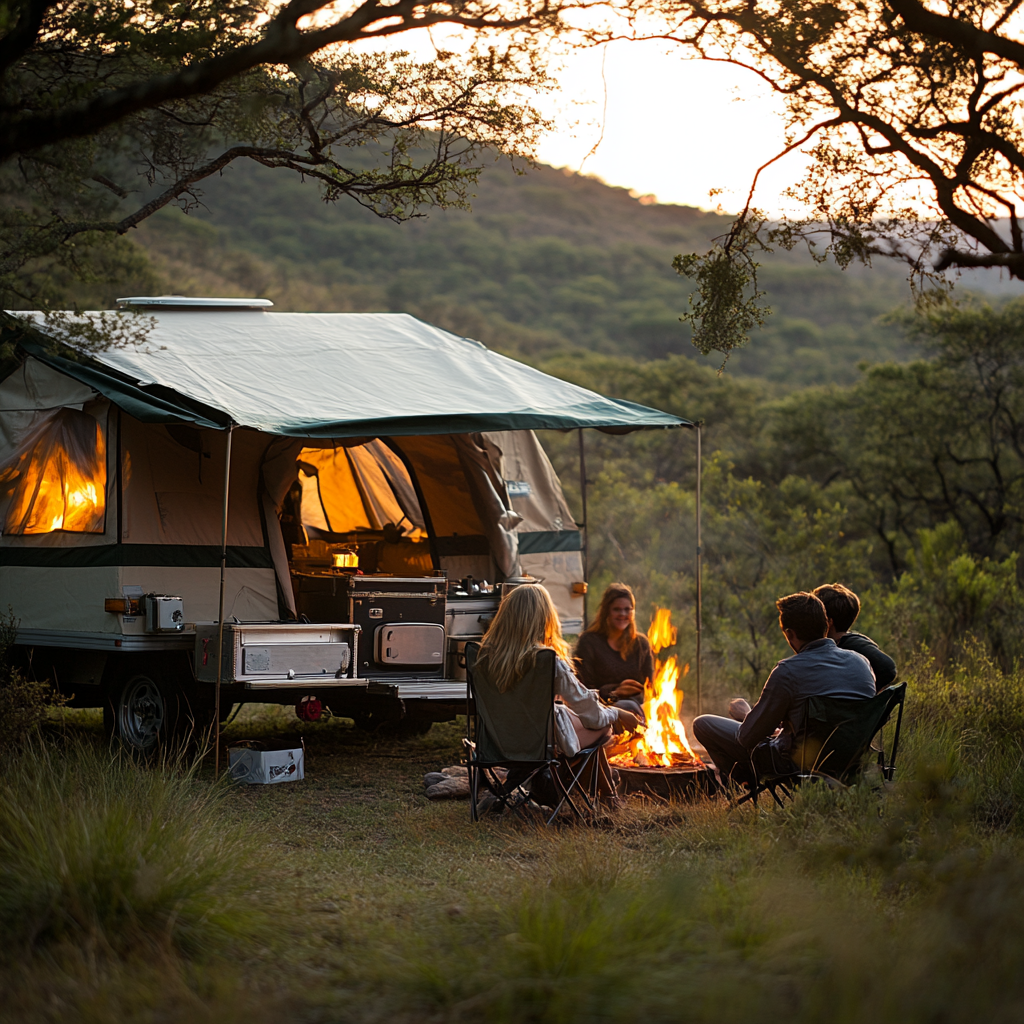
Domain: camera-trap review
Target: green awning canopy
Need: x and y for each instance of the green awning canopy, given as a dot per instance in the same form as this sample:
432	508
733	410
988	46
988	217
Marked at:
334	375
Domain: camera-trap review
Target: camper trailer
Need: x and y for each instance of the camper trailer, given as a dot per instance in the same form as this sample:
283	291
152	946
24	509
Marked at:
310	509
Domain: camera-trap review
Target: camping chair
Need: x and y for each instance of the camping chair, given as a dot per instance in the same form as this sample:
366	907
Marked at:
516	731
836	738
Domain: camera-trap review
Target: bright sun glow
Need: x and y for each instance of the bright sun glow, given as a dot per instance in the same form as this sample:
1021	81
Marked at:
640	116
673	128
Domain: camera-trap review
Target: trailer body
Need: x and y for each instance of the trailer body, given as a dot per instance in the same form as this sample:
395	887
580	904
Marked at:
370	522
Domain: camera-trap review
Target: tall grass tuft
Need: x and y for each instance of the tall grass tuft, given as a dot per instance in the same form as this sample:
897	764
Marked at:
96	850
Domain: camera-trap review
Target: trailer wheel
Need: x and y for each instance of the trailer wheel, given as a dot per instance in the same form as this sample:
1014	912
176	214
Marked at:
147	707
140	712
402	728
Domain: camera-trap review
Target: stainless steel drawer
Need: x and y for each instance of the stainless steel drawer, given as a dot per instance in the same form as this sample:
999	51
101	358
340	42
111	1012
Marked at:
409	643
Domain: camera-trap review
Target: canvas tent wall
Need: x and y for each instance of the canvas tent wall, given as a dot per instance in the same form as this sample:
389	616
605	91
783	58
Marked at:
456	413
163	532
549	542
169	515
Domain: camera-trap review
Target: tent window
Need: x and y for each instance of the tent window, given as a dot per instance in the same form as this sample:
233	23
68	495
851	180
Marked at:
57	478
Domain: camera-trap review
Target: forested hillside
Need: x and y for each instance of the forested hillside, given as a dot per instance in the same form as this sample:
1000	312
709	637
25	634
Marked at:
903	480
547	261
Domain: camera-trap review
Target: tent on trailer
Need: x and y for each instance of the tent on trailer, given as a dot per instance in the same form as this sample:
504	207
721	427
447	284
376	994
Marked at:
375	434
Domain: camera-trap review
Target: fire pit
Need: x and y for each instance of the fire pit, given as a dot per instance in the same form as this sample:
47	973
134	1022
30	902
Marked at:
685	783
659	760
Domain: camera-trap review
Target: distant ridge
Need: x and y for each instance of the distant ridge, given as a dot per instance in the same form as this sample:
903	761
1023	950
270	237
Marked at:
547	261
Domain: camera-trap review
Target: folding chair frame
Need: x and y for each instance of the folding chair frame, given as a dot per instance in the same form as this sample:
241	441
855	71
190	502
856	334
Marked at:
514	795
772	784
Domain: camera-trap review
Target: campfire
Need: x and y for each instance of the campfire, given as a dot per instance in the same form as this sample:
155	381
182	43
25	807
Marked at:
663	743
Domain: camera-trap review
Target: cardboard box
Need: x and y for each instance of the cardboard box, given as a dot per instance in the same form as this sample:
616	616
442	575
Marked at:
265	767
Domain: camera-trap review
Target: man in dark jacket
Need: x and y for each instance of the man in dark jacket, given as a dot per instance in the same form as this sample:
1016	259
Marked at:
842	606
762	743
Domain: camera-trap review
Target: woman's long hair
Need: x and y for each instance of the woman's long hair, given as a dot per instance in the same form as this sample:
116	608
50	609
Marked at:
526	622
600	624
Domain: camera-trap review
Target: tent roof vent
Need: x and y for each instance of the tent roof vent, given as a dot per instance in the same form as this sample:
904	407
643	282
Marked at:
187	302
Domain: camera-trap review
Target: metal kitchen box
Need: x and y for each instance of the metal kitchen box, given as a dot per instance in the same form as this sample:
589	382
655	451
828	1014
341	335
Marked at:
402	618
466	619
270	656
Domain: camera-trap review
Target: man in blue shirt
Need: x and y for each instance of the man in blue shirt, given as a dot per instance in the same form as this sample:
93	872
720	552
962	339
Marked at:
762	743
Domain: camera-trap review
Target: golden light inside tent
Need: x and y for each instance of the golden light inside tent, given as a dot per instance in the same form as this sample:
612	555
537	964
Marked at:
60	482
663	743
345	560
76	502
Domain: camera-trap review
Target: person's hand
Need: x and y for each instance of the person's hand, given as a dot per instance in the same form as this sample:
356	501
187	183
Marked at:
627	720
627	688
739	709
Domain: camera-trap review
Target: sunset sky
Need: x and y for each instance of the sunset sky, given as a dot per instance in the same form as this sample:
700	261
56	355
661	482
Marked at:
642	116
673	128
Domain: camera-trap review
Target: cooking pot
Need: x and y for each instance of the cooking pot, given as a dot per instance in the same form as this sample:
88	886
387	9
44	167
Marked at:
518	581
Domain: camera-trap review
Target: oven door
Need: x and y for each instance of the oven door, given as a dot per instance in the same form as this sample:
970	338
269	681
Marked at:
409	644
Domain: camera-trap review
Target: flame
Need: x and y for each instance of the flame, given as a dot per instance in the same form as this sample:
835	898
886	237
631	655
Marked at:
662	633
663	742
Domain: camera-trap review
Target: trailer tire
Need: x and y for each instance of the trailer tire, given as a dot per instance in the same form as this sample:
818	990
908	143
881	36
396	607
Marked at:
405	728
391	718
147	709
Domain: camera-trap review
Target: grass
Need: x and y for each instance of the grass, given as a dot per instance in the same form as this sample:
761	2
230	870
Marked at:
351	898
96	852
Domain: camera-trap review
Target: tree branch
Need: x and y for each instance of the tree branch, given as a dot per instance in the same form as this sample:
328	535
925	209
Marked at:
1012	261
808	135
24	33
283	43
956	32
945	188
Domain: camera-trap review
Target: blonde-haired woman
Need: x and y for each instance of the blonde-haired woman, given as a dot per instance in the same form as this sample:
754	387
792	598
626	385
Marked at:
526	622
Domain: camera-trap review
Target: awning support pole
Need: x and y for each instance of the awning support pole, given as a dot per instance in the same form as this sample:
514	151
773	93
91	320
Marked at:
220	613
700	593
583	526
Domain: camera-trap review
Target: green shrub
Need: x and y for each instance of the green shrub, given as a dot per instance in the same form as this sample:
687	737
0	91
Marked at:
24	706
96	849
24	703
